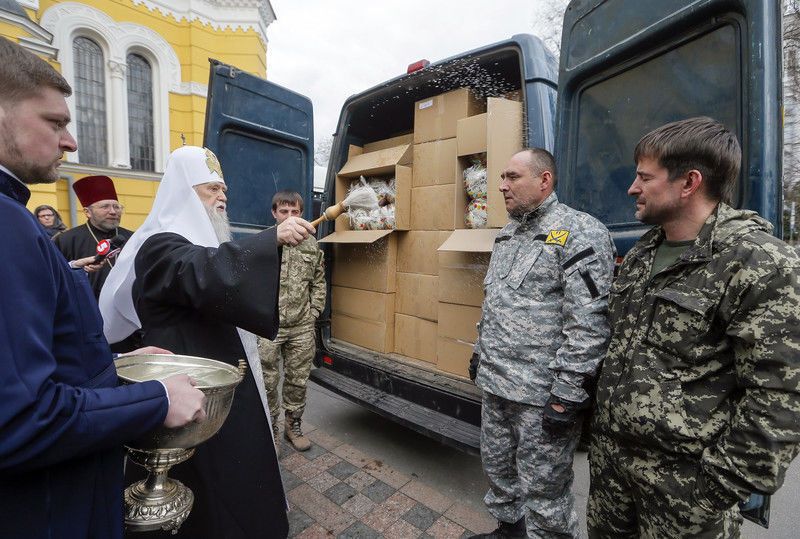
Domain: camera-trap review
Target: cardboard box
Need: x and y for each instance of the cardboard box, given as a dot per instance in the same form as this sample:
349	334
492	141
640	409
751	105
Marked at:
417	251
384	163
463	262
415	337
498	134
435	163
418	295
399	140
453	356
471	135
364	259
363	318
435	117
458	322
432	207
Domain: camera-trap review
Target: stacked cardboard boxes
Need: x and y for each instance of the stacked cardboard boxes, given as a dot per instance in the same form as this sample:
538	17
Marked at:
435	157
495	135
363	287
463	262
433	192
417	291
365	261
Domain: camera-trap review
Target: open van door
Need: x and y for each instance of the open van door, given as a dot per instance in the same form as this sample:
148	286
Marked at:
263	135
629	66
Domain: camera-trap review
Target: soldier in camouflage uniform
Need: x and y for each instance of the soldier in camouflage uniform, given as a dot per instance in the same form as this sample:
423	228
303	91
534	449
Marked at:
698	402
542	334
300	302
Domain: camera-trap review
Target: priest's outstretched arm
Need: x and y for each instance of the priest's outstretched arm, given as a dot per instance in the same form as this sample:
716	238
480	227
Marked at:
237	282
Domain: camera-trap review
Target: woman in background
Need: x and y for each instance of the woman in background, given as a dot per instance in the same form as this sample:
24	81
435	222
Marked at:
50	219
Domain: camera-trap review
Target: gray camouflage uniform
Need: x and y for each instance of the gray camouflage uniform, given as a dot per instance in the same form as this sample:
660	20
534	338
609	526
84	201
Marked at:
300	301
543	330
698	402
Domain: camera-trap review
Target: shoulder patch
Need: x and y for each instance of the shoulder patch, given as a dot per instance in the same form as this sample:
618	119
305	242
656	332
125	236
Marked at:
557	237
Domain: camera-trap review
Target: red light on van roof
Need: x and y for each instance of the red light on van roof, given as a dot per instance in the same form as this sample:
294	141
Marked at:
327	360
416	66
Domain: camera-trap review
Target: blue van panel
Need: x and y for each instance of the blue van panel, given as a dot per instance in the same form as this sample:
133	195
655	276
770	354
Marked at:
264	137
628	67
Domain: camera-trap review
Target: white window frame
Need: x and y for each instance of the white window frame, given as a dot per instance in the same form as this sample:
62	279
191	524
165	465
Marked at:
69	20
101	42
154	73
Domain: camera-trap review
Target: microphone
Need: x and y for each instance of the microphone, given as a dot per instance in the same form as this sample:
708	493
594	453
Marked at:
108	249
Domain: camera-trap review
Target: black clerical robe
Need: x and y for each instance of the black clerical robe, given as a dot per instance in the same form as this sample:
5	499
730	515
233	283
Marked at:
78	243
190	300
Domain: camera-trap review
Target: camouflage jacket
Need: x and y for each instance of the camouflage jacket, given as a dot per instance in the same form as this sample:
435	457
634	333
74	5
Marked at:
544	324
302	294
704	358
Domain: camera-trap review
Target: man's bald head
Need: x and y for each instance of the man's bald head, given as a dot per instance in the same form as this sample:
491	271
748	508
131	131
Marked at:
540	160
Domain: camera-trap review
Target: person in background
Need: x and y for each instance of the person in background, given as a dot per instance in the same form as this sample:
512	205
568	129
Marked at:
698	402
103	214
50	219
63	416
541	338
300	302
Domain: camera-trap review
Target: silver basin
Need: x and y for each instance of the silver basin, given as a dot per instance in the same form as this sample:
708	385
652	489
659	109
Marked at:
214	378
159	502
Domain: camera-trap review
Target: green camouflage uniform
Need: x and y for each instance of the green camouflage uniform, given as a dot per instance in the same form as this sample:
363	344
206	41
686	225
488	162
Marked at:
300	302
698	402
543	330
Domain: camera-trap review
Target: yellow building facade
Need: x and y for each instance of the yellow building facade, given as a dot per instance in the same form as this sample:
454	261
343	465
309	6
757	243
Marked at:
173	40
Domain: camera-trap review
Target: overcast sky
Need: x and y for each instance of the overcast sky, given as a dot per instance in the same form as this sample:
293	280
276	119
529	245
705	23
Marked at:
328	50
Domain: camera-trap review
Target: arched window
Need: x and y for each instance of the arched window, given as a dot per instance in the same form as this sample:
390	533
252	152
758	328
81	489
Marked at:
90	101
140	113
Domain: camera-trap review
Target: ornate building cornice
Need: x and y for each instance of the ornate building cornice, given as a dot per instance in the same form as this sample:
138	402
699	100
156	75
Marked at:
254	15
40	40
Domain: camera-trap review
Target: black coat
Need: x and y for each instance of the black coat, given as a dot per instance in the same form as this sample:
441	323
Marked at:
190	300
78	243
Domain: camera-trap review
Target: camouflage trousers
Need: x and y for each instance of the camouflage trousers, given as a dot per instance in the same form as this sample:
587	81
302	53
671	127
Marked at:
529	471
296	346
640	492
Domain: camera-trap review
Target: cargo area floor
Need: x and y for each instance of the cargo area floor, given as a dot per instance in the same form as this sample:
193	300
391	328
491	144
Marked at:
431	423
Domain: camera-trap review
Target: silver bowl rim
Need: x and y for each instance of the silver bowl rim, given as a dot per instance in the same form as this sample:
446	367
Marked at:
124	361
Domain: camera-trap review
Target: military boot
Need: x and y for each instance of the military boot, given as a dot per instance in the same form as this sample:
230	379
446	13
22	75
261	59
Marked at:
294	433
505	530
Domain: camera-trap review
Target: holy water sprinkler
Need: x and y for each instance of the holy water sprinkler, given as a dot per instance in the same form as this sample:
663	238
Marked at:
361	196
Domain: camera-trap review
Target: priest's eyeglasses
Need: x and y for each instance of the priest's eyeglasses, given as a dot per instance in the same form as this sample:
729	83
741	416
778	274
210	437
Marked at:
108	206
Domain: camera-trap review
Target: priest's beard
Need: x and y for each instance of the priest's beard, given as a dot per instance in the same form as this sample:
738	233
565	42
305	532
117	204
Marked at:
219	221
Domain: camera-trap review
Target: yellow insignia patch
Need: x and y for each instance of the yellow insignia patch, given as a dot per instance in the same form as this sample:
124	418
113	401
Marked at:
213	163
557	237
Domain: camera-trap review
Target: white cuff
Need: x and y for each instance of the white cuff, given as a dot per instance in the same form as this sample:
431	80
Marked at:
165	391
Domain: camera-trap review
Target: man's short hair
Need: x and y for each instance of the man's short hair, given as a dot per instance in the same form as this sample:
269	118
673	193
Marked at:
701	144
23	74
291	198
542	160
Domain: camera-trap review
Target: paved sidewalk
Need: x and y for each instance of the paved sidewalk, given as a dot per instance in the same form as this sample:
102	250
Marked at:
335	490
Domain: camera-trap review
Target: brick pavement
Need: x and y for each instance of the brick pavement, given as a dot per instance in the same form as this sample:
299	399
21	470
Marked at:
335	490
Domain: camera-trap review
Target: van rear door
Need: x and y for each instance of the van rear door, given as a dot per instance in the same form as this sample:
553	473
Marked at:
629	66
263	135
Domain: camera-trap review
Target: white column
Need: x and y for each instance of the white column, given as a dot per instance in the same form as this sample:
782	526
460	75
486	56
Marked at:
118	115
